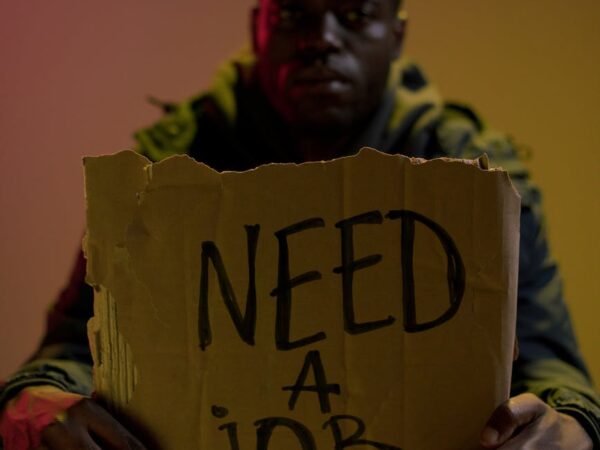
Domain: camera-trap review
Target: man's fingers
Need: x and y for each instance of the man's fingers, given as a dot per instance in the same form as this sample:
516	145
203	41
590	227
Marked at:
107	428
61	436
515	413
88	426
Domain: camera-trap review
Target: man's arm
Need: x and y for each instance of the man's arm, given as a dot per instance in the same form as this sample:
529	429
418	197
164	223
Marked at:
63	358
47	401
549	366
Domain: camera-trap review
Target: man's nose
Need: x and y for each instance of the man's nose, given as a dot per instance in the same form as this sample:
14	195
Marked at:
321	35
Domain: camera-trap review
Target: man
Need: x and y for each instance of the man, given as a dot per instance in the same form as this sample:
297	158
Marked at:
322	83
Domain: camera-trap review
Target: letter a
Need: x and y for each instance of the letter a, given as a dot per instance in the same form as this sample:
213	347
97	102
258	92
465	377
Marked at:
313	358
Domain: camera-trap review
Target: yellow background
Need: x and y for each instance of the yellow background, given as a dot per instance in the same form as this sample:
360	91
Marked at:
74	77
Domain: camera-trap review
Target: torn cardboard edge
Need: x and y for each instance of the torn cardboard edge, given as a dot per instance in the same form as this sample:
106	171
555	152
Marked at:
116	248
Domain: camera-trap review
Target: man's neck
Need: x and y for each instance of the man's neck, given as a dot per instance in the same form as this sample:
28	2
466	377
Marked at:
319	147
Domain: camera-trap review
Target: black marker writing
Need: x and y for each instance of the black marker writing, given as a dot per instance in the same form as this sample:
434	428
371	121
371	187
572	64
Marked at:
283	291
313	359
246	324
356	437
268	424
351	265
455	272
231	429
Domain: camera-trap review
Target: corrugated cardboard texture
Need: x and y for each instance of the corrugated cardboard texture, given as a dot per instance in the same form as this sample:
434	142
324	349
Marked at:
393	330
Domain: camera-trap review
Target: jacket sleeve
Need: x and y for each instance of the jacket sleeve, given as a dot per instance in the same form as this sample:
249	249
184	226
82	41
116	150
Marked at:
63	358
549	363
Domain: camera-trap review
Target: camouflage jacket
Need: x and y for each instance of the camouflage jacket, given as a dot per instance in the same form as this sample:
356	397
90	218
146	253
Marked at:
231	127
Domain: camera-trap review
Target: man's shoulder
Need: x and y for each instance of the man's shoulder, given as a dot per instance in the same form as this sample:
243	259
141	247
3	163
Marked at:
460	132
447	128
212	111
172	134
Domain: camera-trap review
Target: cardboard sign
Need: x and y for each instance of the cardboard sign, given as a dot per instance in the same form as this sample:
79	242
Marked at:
362	303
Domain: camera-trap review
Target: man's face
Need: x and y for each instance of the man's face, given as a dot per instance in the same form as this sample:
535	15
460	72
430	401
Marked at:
324	63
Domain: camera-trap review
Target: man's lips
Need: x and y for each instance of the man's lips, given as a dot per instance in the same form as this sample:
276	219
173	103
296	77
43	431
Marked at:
311	75
320	81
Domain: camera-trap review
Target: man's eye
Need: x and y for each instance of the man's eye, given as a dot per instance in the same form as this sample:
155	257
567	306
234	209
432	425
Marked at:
358	16
287	16
353	16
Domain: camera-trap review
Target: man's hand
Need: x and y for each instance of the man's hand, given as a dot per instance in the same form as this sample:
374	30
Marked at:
47	418
88	425
527	423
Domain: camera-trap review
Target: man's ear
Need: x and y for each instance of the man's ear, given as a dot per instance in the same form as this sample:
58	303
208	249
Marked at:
399	31
254	13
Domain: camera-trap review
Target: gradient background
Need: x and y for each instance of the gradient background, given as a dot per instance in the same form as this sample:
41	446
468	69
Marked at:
74	75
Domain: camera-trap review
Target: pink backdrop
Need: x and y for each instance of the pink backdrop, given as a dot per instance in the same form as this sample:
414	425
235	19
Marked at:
74	77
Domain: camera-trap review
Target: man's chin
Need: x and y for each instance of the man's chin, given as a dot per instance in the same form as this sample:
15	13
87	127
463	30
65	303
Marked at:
323	120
